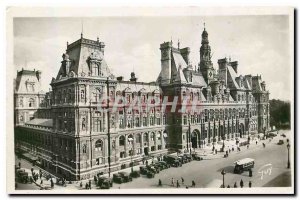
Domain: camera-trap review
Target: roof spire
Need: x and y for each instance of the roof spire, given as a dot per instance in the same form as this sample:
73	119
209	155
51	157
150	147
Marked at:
171	41
204	25
178	44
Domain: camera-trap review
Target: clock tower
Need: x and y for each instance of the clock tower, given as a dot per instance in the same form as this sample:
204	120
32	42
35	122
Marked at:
205	65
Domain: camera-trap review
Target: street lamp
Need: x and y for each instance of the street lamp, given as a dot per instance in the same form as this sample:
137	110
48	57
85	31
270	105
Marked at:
223	146
223	174
131	153
288	162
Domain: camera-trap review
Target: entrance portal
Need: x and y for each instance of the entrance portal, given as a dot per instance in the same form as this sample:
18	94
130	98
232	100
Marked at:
146	151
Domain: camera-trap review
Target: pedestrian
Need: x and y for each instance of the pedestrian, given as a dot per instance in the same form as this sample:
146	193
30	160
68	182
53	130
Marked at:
19	164
250	184
232	148
235	186
41	182
250	172
216	151
159	182
182	180
256	142
242	183
172	182
90	184
193	183
146	162
86	186
52	183
229	150
80	184
32	170
228	186
248	146
178	184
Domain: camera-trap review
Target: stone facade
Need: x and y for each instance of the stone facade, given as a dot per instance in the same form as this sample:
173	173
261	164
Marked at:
72	133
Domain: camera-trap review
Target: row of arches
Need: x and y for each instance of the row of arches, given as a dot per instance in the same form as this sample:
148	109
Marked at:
199	138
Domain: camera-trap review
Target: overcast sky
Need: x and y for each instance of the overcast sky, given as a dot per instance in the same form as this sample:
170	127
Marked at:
259	43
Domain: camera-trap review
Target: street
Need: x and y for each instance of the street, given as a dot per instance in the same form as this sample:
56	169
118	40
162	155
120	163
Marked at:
207	173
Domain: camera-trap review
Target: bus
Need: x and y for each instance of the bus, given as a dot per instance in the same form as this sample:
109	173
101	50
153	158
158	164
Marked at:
243	165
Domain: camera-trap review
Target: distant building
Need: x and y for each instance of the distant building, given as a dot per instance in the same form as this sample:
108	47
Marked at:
69	135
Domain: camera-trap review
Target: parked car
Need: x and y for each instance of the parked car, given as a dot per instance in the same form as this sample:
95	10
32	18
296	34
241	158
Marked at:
280	142
196	157
153	169
143	170
188	157
118	178
272	134
150	174
126	177
283	135
174	161
164	164
104	182
183	159
135	174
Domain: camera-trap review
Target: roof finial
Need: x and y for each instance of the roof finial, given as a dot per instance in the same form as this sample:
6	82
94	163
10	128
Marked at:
81	28
204	25
171	41
178	44
98	39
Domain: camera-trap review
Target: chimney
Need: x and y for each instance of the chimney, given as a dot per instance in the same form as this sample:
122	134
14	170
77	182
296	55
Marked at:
234	65
185	53
222	63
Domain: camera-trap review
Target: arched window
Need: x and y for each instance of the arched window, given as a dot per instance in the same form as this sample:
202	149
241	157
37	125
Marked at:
31	102
145	137
82	95
152	136
122	140
130	139
84	148
138	138
98	145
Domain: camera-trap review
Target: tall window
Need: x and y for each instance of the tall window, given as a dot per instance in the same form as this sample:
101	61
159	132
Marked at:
137	121
164	120
97	125
144	121
98	145
151	121
152	136
82	95
206	115
21	102
31	102
145	137
97	95
122	140
121	122
184	120
95	69
138	138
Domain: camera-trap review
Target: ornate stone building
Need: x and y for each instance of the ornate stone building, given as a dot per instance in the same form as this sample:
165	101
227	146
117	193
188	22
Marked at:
73	135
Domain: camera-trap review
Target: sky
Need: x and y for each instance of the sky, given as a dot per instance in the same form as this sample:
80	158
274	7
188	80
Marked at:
259	43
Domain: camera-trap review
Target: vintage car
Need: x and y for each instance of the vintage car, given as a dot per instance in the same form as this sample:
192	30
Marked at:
126	177
196	157
152	169
118	178
104	182
150	174
135	174
143	170
164	164
280	142
188	157
172	160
